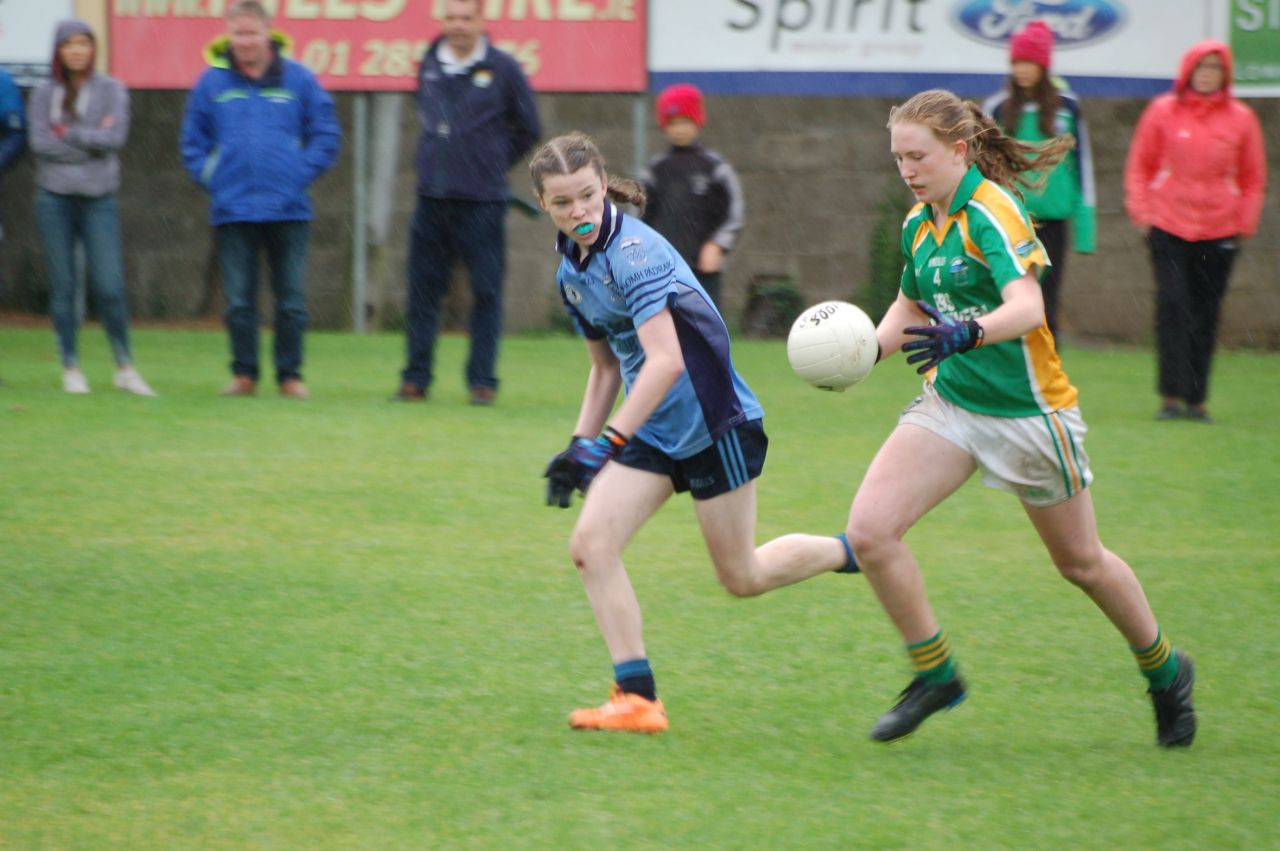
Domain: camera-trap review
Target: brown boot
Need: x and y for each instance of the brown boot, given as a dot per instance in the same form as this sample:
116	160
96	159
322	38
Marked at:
410	393
484	396
241	385
293	388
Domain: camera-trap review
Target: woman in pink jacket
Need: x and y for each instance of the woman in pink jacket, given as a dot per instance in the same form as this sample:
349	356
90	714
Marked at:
1194	182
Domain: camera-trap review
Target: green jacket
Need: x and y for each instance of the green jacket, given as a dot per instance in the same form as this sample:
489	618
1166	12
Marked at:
1068	191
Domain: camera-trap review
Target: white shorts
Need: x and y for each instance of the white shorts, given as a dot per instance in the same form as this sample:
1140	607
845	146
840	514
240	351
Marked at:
1040	459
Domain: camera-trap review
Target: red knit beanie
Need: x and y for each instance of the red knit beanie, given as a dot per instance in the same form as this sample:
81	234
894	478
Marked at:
1033	44
681	100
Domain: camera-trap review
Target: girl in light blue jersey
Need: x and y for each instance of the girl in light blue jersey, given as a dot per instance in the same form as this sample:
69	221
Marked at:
688	422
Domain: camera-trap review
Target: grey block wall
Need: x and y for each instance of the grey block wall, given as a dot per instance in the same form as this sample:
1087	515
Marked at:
813	169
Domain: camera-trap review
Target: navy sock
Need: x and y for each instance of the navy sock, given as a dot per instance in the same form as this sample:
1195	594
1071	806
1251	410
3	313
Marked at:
636	677
850	563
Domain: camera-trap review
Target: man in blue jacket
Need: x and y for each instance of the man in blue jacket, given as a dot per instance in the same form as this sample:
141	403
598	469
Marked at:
258	130
478	119
13	122
13	126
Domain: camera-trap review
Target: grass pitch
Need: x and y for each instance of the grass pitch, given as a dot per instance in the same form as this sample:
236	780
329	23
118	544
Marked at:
263	624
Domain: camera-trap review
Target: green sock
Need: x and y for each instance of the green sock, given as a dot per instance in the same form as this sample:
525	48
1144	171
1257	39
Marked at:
1157	662
932	659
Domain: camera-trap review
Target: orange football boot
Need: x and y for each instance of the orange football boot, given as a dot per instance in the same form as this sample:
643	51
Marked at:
625	712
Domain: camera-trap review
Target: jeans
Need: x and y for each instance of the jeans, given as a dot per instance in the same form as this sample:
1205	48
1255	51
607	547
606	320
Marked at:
1191	280
286	248
441	231
62	220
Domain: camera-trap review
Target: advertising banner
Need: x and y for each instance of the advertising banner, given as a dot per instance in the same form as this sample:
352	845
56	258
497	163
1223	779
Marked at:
26	36
1255	43
897	47
374	45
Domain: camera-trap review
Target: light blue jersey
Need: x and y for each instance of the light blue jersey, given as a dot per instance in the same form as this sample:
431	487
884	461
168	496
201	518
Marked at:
630	274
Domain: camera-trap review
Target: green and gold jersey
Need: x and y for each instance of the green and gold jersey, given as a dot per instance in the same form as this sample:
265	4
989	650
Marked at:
986	241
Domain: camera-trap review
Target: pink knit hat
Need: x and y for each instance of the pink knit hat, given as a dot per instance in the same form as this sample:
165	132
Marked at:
1033	44
681	100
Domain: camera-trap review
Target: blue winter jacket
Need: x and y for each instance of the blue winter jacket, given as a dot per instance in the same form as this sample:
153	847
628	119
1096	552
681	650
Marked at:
13	122
256	145
475	126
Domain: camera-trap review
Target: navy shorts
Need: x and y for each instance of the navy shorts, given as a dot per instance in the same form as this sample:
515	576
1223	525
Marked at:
728	464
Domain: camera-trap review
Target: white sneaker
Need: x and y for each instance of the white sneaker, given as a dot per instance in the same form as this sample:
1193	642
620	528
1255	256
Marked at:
73	381
130	381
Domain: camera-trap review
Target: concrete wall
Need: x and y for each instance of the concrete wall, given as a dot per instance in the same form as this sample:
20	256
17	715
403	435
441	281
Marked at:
813	170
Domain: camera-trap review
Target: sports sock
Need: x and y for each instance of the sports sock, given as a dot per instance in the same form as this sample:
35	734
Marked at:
932	659
1157	662
850	563
636	677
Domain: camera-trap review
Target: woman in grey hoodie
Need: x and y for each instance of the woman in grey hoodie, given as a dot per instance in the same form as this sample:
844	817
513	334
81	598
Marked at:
78	121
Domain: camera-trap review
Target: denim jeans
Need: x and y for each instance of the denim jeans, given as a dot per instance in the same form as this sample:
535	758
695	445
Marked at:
441	231
62	221
238	245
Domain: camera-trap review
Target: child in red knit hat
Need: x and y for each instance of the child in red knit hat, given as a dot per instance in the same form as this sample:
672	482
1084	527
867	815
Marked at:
695	199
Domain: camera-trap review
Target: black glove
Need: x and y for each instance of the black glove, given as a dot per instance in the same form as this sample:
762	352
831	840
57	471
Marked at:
940	341
561	476
575	467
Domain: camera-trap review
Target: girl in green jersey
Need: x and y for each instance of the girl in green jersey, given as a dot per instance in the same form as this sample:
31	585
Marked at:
971	314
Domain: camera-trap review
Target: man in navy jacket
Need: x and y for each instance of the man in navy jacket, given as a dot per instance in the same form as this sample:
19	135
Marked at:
258	130
478	119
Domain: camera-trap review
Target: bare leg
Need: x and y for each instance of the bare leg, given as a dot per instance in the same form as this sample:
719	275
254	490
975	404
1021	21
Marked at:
914	470
617	504
1070	532
728	525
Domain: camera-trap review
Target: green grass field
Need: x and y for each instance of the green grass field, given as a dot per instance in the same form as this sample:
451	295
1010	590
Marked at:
262	624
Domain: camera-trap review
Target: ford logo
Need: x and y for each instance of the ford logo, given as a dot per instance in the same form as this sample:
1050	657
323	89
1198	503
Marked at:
1074	22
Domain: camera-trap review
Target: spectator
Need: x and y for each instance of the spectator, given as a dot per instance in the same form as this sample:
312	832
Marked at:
79	120
1035	107
695	199
258	130
478	119
1194	181
13	127
13	124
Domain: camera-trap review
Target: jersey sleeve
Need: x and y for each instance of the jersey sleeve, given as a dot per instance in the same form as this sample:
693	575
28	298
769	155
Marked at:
644	268
1004	234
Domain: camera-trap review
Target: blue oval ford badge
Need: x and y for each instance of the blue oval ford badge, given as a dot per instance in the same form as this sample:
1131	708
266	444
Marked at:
1074	22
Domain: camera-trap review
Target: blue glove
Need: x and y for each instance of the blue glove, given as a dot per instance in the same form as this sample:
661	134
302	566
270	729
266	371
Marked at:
940	341
591	455
575	467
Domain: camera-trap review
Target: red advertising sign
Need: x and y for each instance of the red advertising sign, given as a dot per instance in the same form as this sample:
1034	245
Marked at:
374	45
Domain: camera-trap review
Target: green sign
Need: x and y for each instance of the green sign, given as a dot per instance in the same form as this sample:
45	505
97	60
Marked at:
1255	43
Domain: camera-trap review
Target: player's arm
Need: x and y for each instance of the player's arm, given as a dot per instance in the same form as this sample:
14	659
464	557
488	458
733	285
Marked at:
891	333
575	467
603	382
663	366
1020	312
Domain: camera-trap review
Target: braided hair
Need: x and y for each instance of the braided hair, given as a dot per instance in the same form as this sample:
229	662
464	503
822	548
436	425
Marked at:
573	152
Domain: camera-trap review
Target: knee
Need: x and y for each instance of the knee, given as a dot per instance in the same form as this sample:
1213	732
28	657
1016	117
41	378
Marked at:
589	549
1081	567
741	584
867	538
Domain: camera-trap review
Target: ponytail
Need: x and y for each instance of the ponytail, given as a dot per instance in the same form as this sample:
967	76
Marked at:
1001	158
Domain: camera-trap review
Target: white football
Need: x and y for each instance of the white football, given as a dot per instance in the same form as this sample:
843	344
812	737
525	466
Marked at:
832	345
